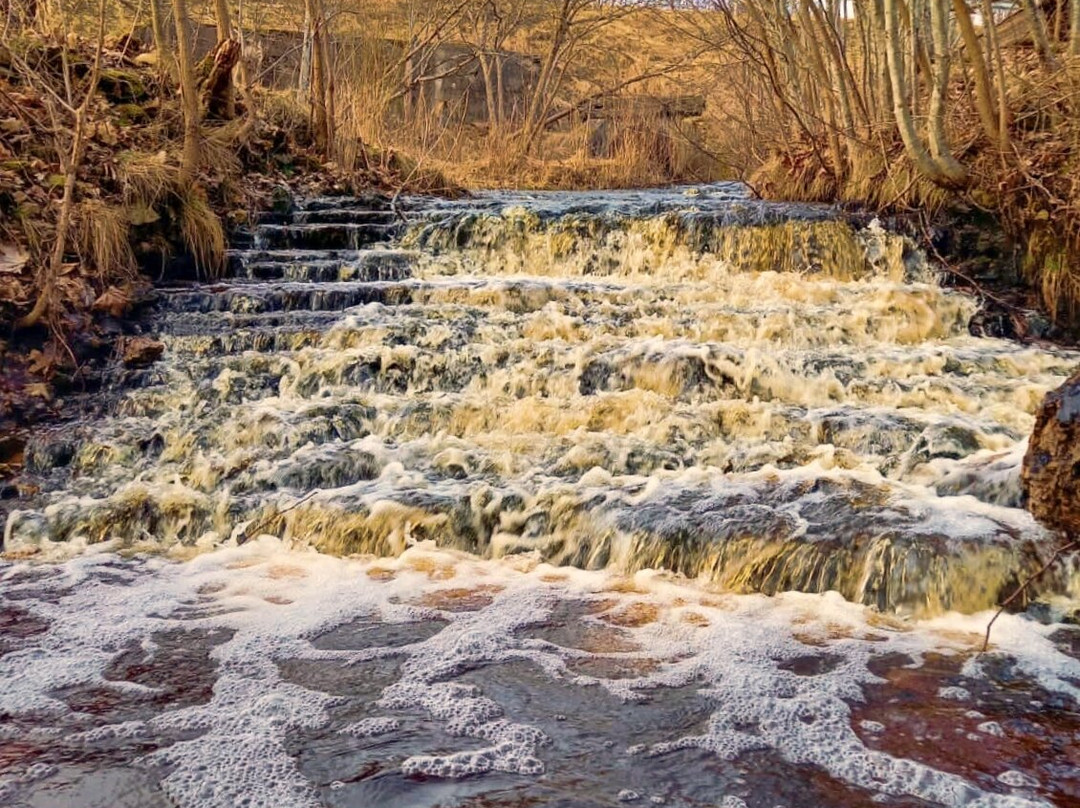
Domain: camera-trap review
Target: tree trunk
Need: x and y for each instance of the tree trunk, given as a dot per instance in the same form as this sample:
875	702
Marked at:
984	103
224	98
223	18
1074	28
533	119
303	83
321	87
939	138
990	27
884	82
914	147
487	74
71	174
162	41
189	164
1037	23
218	95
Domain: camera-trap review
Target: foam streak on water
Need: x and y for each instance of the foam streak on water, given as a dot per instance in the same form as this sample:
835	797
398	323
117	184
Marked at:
337	682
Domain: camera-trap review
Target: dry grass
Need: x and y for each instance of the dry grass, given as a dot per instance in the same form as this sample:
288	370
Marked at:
218	155
147	178
282	109
202	233
101	232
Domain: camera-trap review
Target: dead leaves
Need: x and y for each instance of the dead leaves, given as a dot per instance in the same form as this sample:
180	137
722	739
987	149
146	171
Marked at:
139	352
13	259
39	390
44	362
114	301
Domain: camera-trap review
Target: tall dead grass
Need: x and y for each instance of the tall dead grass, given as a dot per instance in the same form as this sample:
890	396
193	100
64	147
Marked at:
203	233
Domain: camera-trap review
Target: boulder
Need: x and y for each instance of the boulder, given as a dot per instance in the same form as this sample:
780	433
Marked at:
1051	473
139	352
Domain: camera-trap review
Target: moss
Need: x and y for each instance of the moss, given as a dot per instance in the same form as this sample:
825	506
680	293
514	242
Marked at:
128	114
121	86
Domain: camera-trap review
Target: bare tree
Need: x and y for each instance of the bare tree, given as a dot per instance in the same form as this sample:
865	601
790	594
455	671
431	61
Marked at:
1037	23
322	81
70	161
984	103
485	26
1074	28
189	164
162	42
941	63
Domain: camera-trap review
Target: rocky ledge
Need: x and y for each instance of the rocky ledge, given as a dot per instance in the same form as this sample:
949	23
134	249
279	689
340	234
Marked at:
1051	474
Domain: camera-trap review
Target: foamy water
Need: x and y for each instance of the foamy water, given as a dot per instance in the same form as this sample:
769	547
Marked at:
433	678
484	509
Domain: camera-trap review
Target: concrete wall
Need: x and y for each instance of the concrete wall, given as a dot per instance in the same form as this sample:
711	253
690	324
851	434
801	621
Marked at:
448	81
455	87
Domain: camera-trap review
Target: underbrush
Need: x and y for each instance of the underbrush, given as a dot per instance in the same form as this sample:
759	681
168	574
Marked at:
132	217
1032	189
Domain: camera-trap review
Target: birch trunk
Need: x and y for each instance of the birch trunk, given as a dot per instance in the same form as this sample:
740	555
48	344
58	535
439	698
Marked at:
1074	28
1037	23
162	43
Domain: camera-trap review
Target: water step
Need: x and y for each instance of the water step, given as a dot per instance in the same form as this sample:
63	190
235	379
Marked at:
182	324
236	258
760	533
417	360
323	236
329	216
283	297
626	384
371	265
368	201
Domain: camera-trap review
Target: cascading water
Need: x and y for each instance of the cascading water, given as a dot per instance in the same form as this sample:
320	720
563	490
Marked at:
557	435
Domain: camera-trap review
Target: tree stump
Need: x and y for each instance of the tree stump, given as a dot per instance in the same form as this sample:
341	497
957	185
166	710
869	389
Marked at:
217	90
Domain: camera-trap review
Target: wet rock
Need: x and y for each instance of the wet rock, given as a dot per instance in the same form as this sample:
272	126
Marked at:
47	452
138	352
1051	473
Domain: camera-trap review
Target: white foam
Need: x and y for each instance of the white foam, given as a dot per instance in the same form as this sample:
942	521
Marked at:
1018	779
273	601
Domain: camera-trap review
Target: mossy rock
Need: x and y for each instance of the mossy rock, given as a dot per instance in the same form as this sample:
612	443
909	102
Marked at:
282	199
121	86
128	114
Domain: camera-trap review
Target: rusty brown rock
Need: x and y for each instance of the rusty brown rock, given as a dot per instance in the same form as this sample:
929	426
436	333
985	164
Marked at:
1051	472
138	352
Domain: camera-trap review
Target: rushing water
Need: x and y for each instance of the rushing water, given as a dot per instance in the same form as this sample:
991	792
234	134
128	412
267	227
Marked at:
562	439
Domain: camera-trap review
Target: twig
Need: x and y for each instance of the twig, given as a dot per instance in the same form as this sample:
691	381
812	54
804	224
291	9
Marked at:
952	270
251	532
1058	553
394	205
888	206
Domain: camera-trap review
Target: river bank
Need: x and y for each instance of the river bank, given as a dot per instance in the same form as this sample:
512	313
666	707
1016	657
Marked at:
133	223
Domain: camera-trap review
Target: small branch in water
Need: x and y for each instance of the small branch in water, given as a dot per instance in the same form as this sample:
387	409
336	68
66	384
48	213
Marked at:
395	209
1058	553
250	533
